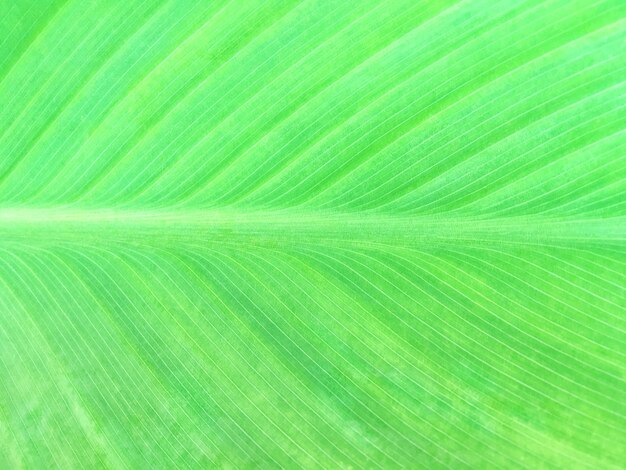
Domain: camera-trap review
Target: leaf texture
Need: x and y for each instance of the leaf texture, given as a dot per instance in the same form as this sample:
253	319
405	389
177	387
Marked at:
312	234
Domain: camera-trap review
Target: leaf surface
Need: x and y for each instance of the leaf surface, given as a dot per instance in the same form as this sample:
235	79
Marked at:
356	234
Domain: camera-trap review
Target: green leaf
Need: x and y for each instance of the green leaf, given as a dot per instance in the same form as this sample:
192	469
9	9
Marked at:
350	234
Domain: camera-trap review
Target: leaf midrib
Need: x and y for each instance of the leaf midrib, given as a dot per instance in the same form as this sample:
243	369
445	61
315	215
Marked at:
77	225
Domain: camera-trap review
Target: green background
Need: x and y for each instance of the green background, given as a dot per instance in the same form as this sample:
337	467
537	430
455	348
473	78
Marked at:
319	234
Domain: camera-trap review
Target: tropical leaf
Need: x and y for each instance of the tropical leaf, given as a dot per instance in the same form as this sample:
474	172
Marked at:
349	234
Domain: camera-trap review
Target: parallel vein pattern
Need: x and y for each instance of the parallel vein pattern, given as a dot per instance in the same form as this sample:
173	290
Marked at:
312	234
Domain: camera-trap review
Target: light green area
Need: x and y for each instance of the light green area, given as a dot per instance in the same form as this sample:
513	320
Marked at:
312	234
